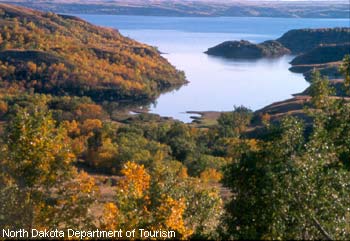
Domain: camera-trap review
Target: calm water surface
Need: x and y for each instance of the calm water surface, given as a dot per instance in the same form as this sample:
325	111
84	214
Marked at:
216	84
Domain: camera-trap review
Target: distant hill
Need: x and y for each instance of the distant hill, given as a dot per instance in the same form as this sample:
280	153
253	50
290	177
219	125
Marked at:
302	40
325	58
323	54
321	49
289	9
65	55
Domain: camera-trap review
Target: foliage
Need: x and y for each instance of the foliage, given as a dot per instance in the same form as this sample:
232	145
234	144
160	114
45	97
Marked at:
320	91
345	70
295	184
232	124
39	184
60	55
162	198
291	182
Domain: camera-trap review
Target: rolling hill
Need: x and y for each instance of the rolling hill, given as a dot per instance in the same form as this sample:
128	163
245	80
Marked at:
202	8
65	55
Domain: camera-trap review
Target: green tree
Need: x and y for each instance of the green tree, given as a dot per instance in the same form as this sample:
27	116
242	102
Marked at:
232	124
345	70
181	141
320	91
290	188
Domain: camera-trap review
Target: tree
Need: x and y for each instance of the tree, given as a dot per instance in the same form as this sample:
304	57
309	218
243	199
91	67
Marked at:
3	108
38	175
163	197
181	141
37	153
32	67
320	91
232	124
290	188
134	207
345	70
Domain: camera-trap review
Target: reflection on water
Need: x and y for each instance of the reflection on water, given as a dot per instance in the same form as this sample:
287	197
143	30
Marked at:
217	84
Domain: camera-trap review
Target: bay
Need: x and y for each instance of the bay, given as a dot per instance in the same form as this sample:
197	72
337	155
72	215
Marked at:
216	84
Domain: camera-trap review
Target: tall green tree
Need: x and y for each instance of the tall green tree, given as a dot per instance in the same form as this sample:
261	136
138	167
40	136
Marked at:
345	70
232	124
290	188
320	91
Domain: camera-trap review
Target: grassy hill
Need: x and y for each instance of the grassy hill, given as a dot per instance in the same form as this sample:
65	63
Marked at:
65	55
303	40
323	54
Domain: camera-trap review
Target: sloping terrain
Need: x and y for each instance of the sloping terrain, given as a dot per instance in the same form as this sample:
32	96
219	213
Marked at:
303	40
67	56
323	54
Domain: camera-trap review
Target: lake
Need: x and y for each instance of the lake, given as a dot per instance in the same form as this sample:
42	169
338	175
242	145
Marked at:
216	84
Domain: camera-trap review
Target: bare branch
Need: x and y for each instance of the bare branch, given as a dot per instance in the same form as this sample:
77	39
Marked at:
321	229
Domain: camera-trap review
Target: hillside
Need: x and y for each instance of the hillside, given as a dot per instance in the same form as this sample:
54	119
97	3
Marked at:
199	8
302	40
331	70
323	54
65	55
75	168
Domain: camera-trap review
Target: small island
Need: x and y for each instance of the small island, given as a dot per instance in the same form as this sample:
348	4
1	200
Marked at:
321	49
294	42
246	50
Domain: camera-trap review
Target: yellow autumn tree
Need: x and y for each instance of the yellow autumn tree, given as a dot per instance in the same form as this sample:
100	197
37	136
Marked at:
169	216
131	207
109	220
134	207
39	186
162	197
211	175
3	108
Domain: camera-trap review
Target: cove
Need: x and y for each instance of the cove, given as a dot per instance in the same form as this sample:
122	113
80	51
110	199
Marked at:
216	84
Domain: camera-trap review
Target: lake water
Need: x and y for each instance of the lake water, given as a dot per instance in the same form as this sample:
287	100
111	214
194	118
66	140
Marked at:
216	84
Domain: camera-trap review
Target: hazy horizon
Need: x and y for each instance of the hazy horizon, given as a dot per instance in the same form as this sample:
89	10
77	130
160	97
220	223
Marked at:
159	1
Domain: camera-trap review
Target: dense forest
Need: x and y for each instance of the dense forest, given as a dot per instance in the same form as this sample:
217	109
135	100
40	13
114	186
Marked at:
65	55
65	162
